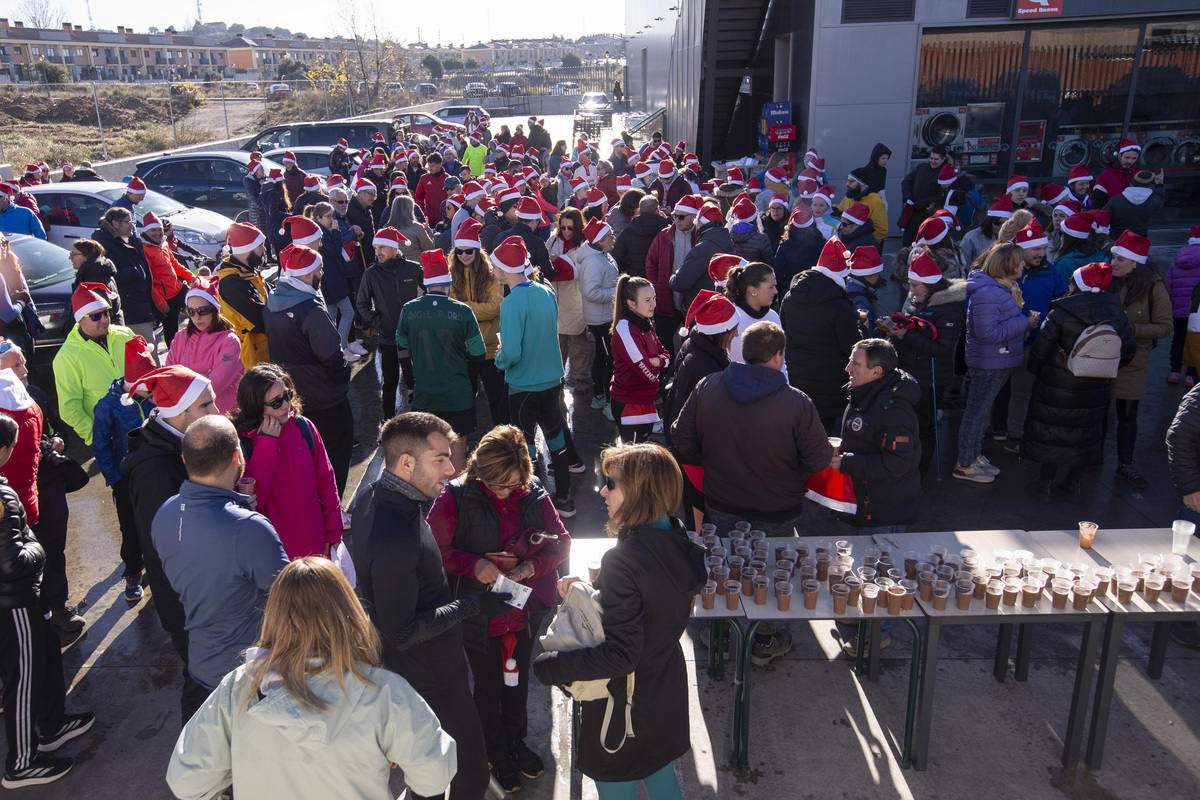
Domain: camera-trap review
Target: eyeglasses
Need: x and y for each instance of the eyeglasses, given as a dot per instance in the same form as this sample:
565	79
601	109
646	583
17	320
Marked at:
681	217
75	253
610	482
504	487
340	202
464	251
202	311
99	315
278	402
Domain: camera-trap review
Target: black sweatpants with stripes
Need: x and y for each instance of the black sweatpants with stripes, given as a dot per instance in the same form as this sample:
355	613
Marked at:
35	691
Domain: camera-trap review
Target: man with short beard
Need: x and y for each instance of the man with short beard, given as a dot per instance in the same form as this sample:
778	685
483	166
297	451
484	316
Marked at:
858	190
243	295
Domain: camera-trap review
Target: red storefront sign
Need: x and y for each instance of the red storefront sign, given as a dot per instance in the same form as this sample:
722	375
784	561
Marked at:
1027	9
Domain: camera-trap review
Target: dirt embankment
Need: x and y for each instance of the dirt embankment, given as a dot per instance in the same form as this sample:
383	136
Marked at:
117	109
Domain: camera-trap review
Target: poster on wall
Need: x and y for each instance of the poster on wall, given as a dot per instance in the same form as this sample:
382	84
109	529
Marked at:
1031	140
1027	9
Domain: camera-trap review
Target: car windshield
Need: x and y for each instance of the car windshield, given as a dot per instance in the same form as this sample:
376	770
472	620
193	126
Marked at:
42	262
160	204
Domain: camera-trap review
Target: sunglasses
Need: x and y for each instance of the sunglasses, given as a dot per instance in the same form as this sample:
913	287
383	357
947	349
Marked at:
681	217
340	202
99	315
464	251
5	346
504	487
278	402
202	311
610	482
568	228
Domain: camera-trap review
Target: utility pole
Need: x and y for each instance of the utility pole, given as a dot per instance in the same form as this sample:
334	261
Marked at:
199	13
88	4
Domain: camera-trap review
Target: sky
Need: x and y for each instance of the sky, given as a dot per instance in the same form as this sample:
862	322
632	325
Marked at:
465	25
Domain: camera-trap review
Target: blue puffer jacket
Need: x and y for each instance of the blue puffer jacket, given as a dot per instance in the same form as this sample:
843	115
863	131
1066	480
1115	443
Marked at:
1038	288
996	326
112	421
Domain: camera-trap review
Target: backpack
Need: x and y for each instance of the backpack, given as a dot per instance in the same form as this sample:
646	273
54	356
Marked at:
1097	352
305	430
577	625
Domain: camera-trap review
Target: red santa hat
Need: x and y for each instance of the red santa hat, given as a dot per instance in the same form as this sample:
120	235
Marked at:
1079	226
809	174
511	256
342	143
1102	221
275	176
825	193
150	221
473	191
866	261
1053	194
458	200
467	235
666	168
399	181
244	237
753	186
389	237
564	269
138	360
31	169
1001	208
304	230
642	172
528	209
1079	173
1031	236
834	261
801	217
88	299
1128	144
434	267
810	153
624	183
297	260
377	137
1195	238
692	161
947	175
710	212
1094	277
689	204
334	181
288	157
932	231
924	269
857	214
6	189
639	414
806	188
1134	247
1016	182
364	185
720	264
174	389
509	195
712	313
205	288
135	186
1069	207
595	198
595	230
312	183
778	199
743	210
734	177
776	175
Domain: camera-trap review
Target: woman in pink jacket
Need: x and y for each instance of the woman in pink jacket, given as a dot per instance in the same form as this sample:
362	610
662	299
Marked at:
208	344
294	484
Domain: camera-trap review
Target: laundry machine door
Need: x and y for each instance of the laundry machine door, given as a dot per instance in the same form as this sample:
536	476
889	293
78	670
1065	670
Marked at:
1071	154
1108	151
943	127
1187	154
1157	153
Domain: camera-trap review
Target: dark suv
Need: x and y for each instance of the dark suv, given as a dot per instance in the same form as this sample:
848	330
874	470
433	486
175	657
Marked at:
206	179
357	134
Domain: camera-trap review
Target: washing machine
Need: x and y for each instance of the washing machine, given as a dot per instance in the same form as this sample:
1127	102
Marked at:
1187	151
1106	150
1158	151
944	125
1070	151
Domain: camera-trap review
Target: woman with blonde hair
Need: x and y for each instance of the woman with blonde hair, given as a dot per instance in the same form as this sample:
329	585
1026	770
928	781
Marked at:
312	714
996	332
647	583
499	507
472	283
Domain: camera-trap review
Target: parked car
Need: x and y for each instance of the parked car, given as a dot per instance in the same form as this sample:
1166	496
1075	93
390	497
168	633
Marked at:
209	179
252	87
458	114
564	88
72	211
426	90
475	90
313	160
357	134
49	273
506	89
597	103
424	124
279	91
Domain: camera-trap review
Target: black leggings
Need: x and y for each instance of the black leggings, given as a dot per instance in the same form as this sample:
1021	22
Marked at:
502	709
1127	411
485	372
602	365
630	433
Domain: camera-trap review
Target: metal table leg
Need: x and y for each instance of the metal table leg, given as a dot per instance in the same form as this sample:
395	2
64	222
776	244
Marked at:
716	649
1003	646
741	696
1024	645
858	653
1083	687
1158	649
1113	629
914	669
928	680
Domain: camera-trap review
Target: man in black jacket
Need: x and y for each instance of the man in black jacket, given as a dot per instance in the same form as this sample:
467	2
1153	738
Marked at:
386	286
404	587
712	237
921	193
155	471
529	219
303	340
1183	457
633	245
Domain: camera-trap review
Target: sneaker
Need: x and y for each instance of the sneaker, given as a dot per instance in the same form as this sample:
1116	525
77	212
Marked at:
1186	634
1013	445
357	348
73	725
564	505
983	464
999	436
608	412
506	775
1172	377
1189	382
704	641
777	646
578	468
133	588
528	763
65	619
658	427
1129	474
350	356
598	402
850	647
974	474
43	769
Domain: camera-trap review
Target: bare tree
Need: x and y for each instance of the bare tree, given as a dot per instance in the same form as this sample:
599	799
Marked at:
41	13
373	53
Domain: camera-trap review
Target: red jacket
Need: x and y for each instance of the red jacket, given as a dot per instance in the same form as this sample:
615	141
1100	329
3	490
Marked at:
22	467
430	194
634	343
659	261
167	276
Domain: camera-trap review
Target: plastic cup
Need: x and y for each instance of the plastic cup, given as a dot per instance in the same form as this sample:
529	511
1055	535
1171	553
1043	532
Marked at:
1125	588
823	562
719	552
807	561
748	576
708	529
995	591
836	443
896	594
782	576
1083	592
870	595
911	559
1031	590
786	566
981	582
823	546
809	589
925	585
593	569
841	596
757	536
761	584
245	485
941	593
788	554
733	593
1181	585
953	560
1002	555
735	567
1060	591
854	584
803	550
712	562
783	596
760	565
1103	576
1181	535
1153	587
708	595
868	574
721	575
1012	590
1196	577
910	595
743	526
843	547
965	592
946	573
710	541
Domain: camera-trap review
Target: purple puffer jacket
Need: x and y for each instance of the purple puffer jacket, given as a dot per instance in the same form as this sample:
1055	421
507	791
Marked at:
1182	277
996	327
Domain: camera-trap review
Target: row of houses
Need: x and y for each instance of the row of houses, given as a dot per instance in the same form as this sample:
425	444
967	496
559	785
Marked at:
526	52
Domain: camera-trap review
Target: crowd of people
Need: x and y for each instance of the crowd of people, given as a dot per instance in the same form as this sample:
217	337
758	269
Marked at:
736	316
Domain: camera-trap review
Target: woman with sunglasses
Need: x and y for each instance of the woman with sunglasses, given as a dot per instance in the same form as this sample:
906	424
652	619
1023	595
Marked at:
647	583
208	344
572	330
472	283
499	506
294	484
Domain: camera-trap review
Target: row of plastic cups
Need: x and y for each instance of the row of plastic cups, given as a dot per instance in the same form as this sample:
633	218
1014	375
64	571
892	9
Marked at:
733	591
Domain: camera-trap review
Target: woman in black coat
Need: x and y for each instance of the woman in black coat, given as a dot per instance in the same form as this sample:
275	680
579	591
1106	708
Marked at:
1065	424
647	583
91	266
115	235
799	249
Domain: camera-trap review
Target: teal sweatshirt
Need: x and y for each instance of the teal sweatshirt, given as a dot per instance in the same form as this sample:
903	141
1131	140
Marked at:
528	351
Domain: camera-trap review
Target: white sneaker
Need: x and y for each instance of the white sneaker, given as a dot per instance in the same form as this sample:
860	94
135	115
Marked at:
350	356
356	347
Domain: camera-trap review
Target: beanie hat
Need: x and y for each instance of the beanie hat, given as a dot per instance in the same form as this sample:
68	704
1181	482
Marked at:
857	214
1001	208
88	299
1094	277
923	269
205	288
1134	247
595	230
174	388
304	230
467	235
834	261
866	261
389	237
138	360
528	208
511	256
720	264
1016	182
1053	194
150	221
859	175
1079	173
135	186
244	237
1031	236
689	204
947	175
932	231
712	313
434	267
1142	178
1079	226
801	217
297	260
1128	144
